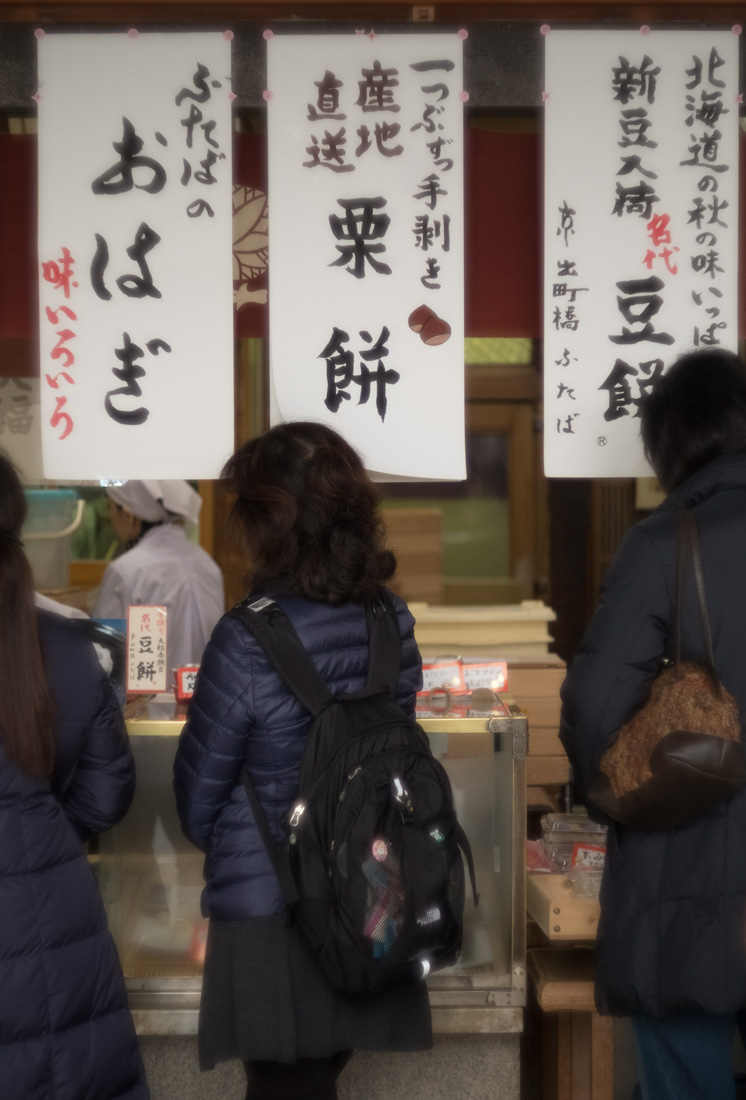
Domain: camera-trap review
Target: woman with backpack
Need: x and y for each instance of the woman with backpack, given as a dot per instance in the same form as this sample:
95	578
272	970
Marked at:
65	773
314	540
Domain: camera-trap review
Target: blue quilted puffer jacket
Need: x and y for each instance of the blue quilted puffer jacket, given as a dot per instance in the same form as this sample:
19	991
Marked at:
65	1030
242	714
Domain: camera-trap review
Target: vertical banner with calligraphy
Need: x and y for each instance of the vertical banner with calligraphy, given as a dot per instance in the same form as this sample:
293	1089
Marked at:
135	277
366	244
641	225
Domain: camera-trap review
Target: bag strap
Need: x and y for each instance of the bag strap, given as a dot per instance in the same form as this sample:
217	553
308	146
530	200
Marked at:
284	650
700	583
278	857
384	639
265	619
463	843
689	540
282	647
683	546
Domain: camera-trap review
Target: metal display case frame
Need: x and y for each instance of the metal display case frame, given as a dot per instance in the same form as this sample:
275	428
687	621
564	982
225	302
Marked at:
467	999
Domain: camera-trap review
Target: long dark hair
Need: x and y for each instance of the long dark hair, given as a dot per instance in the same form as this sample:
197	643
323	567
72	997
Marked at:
695	412
308	514
26	712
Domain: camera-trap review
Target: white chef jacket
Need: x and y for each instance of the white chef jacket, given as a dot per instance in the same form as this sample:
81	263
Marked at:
166	568
67	612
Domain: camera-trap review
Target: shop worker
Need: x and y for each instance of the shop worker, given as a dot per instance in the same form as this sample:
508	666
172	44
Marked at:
161	565
66	773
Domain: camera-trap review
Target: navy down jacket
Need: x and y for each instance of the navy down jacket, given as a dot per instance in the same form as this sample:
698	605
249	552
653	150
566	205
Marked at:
65	1030
242	714
672	936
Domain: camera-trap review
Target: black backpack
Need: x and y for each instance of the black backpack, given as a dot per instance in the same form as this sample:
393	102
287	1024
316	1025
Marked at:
372	869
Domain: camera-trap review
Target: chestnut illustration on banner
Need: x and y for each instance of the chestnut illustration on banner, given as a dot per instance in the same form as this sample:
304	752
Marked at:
418	317
432	329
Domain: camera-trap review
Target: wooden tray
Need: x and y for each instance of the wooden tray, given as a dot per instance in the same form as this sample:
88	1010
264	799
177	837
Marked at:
560	916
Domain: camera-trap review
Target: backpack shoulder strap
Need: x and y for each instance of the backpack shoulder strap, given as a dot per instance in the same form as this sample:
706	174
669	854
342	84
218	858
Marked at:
384	658
265	619
278	856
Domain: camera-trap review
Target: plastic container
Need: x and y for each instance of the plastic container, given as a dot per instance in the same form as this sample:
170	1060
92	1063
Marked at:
53	515
571	823
561	832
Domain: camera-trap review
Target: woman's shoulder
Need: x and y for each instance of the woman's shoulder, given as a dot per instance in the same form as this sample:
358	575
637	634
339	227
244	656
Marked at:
60	634
124	564
403	612
347	620
73	669
320	626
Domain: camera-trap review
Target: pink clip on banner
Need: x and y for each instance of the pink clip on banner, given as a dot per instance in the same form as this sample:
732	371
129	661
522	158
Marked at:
146	649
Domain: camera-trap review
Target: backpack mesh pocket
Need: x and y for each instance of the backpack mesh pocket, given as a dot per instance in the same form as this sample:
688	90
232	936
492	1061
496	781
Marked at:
376	892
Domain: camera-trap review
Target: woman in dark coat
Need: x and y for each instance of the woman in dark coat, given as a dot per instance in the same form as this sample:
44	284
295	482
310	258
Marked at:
308	515
65	773
672	935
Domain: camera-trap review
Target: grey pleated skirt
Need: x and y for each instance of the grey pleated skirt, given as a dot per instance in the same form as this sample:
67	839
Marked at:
265	998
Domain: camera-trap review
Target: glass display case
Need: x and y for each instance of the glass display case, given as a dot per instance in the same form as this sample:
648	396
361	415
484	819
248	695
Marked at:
151	876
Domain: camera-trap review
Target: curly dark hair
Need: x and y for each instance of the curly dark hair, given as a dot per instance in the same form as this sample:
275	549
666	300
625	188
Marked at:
695	412
308	515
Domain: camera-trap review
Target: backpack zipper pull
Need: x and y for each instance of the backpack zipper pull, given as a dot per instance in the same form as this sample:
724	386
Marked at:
402	797
298	811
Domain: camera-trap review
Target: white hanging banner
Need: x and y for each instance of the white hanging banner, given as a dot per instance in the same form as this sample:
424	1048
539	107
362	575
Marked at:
366	244
135	255
641	224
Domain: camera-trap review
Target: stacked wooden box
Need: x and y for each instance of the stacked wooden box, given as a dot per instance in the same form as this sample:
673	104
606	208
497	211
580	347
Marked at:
535	686
416	537
512	632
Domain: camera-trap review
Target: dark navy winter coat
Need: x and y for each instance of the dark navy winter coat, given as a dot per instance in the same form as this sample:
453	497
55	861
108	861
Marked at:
672	936
242	714
65	1031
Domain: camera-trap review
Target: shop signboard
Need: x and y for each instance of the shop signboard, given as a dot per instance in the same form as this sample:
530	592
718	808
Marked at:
20	426
641	229
135	279
366	244
147	650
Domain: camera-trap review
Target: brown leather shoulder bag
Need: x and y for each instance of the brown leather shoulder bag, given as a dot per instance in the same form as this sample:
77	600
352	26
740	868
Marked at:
681	752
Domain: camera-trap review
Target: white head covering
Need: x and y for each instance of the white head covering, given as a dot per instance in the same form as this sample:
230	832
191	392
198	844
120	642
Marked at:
156	501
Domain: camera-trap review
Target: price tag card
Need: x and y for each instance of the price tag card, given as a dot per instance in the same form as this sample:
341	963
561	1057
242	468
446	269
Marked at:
185	678
485	674
443	674
146	649
589	857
